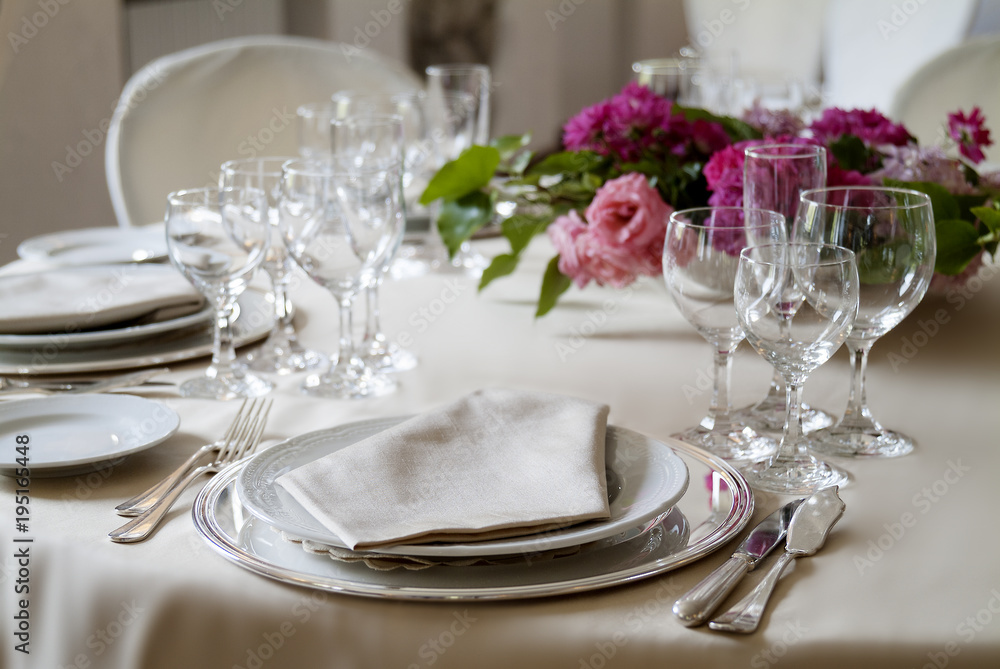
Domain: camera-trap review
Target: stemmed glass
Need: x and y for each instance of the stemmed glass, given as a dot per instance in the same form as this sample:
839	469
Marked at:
700	258
362	141
796	303
774	175
891	231
217	238
339	225
281	352
313	129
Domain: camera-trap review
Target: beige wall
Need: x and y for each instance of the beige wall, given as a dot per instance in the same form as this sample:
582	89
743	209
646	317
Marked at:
57	90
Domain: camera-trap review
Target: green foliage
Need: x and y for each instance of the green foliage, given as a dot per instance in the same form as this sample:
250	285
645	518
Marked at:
957	245
472	170
462	217
554	284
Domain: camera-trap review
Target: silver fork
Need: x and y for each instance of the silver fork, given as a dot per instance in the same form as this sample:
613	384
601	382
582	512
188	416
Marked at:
241	444
144	500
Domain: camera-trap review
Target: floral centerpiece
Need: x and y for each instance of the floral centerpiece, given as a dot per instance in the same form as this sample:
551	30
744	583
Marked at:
632	159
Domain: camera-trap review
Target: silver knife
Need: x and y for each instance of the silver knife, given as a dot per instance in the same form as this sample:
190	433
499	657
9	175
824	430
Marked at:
79	385
697	605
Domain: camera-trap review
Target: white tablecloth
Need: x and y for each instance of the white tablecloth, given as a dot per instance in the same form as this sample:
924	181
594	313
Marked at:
910	577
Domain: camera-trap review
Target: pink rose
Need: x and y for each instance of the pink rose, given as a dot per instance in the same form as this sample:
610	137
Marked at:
627	211
563	232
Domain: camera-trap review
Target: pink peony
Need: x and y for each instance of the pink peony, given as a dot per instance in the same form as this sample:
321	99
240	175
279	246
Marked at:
870	126
970	132
627	211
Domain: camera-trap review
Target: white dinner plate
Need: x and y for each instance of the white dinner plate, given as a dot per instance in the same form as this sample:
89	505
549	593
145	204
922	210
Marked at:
647	475
94	246
68	434
254	320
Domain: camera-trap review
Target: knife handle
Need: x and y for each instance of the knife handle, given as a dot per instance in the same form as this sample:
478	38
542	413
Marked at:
697	605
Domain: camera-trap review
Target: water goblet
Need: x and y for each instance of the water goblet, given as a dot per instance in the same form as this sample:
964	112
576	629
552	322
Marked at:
312	127
774	175
367	140
217	238
281	352
796	303
891	231
339	225
700	258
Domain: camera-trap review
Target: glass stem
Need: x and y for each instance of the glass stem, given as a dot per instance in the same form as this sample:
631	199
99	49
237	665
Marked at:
720	409
283	332
345	349
373	325
792	446
857	413
223	353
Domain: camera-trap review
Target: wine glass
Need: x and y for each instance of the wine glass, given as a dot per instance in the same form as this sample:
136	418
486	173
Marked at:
700	258
217	238
362	141
774	175
313	129
339	225
472	79
891	231
796	303
281	352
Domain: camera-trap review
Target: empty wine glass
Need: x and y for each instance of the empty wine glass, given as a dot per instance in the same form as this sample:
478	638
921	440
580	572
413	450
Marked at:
217	238
339	225
313	129
891	231
774	175
281	352
364	141
700	258
796	303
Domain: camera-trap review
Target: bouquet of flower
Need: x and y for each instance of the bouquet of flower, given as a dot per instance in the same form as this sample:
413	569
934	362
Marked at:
631	160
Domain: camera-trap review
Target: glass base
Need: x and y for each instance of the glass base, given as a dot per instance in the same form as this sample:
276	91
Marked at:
348	387
795	476
769	414
391	359
233	386
282	360
736	445
861	443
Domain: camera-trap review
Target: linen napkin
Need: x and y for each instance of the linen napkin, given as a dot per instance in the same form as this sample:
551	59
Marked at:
86	298
493	464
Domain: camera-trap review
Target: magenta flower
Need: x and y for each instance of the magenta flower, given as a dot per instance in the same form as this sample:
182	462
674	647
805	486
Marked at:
870	126
970	132
773	122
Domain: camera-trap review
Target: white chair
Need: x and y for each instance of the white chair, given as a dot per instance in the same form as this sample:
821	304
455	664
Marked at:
182	115
960	78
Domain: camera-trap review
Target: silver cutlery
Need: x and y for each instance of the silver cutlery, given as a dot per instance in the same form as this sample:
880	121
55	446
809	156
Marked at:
240	445
80	384
807	533
144	500
697	605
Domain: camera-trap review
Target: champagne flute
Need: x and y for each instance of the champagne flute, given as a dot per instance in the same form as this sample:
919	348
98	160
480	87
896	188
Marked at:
700	258
281	352
217	238
796	303
340	224
774	175
891	231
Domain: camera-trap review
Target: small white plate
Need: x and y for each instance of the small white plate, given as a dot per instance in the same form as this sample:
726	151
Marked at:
648	475
94	246
68	434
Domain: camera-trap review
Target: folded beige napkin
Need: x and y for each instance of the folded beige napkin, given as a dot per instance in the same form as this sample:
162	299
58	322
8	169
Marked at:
494	464
84	298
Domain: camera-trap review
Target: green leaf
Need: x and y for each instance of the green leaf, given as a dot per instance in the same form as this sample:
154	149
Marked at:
943	203
502	265
519	230
568	162
851	153
957	245
736	129
471	171
989	216
461	218
554	284
509	145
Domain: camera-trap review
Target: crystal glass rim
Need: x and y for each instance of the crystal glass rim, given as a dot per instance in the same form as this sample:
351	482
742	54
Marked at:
383	119
734	209
235	166
923	200
761	150
181	196
651	65
314	109
456	68
311	167
847	255
380	95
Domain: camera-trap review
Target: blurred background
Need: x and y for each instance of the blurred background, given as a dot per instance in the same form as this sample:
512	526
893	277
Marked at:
65	63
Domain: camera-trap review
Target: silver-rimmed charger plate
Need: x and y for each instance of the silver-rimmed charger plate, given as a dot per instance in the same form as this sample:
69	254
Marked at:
716	507
254	320
93	246
646	476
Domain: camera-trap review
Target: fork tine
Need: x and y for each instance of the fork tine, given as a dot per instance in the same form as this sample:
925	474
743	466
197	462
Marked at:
254	437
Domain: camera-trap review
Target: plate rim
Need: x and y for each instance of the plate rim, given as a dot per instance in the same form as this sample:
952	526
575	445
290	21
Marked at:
737	518
40	247
573	535
55	403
